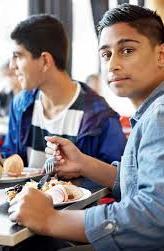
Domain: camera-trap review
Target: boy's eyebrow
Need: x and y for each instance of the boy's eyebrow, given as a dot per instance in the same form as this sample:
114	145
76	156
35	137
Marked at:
121	41
16	53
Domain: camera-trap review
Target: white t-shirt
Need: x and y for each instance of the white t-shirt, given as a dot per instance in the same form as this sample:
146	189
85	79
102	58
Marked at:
65	124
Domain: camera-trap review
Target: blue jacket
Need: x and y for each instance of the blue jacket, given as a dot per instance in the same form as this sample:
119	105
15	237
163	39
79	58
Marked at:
100	133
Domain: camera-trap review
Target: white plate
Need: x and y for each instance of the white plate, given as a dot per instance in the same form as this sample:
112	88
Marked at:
26	174
86	194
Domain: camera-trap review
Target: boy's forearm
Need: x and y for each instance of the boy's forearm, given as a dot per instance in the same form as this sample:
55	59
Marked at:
98	171
66	224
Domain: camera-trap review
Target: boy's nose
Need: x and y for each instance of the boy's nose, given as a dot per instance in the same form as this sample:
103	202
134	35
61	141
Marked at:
113	64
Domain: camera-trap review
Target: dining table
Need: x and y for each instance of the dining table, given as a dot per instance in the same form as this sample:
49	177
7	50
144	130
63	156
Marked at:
14	237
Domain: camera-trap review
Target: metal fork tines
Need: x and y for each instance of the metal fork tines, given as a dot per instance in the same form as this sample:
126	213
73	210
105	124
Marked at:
49	165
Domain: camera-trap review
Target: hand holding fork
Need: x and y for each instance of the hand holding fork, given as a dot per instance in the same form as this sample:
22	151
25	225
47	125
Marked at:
49	165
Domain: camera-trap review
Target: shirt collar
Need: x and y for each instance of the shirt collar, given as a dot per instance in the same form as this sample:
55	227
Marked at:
157	92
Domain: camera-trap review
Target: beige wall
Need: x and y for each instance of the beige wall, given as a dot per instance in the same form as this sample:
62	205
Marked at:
157	5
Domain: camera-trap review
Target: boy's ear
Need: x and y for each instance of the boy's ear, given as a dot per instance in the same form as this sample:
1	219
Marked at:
47	60
161	56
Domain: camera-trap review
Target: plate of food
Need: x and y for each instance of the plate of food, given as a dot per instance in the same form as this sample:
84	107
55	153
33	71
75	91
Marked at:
12	170
61	192
85	193
27	173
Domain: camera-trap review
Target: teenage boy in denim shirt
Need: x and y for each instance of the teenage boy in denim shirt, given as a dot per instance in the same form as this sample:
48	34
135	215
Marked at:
131	48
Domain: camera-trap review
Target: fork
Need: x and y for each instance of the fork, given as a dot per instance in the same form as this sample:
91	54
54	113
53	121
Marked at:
49	165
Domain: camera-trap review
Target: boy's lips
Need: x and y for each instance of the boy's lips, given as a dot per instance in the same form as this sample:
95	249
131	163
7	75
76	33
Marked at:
117	80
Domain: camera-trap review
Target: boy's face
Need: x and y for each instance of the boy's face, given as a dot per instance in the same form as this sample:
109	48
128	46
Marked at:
130	64
27	69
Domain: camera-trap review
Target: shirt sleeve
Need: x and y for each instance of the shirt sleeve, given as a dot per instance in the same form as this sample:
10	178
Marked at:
136	222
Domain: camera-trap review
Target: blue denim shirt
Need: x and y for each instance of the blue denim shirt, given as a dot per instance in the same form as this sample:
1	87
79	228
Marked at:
137	221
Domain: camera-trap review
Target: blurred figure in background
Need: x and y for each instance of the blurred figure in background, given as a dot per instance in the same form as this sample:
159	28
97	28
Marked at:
10	87
13	83
94	82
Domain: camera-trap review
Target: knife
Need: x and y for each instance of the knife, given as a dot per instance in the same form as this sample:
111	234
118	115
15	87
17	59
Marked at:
43	180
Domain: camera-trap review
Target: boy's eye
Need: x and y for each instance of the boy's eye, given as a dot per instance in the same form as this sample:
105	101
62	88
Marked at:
15	55
106	55
127	51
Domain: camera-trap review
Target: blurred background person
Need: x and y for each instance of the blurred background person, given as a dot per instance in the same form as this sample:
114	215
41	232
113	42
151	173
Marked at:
94	82
9	87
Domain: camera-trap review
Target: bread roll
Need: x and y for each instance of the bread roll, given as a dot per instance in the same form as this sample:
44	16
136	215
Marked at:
13	166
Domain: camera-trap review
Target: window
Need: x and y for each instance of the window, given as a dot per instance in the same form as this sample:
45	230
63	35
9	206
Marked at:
84	48
11	12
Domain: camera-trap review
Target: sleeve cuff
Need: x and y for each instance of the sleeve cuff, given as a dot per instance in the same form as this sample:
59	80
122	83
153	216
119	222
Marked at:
116	192
99	229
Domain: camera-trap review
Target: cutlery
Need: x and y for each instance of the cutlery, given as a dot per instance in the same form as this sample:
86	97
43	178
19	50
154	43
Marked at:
43	180
49	165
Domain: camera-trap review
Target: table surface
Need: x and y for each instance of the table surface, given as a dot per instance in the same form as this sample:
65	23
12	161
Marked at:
12	234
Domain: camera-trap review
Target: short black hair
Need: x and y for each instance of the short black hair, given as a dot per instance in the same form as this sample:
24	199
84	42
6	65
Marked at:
40	33
144	20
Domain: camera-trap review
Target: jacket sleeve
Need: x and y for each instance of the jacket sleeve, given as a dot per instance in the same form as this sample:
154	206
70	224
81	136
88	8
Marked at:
112	140
106	142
